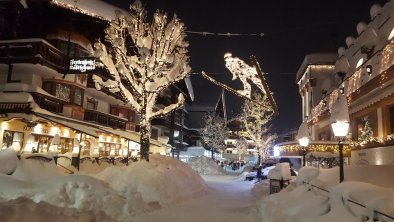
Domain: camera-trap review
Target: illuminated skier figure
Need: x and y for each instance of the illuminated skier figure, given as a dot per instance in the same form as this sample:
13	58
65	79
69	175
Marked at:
244	72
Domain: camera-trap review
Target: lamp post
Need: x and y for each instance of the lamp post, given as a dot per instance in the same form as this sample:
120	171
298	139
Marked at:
303	139
340	126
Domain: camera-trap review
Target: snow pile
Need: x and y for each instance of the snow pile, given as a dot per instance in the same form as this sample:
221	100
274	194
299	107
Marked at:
205	166
24	209
115	194
302	202
307	174
35	170
8	160
92	166
261	189
162	181
281	171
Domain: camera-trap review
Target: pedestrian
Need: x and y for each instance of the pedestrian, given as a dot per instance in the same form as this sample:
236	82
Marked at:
258	174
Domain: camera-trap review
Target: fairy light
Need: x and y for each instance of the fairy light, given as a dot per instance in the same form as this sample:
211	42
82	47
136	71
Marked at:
387	56
160	59
332	148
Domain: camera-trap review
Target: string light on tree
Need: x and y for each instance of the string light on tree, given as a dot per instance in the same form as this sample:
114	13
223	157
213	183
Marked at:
256	122
143	58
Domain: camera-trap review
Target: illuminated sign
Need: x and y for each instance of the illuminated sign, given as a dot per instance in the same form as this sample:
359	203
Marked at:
81	65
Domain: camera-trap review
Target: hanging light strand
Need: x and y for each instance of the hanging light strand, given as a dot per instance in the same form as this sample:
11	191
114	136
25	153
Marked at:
228	34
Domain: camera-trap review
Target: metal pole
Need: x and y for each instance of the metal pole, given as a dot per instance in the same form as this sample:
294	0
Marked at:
128	152
341	172
79	151
303	155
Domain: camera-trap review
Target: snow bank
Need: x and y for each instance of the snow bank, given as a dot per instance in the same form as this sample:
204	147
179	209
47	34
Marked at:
302	202
8	160
159	182
35	170
24	209
115	194
205	166
281	171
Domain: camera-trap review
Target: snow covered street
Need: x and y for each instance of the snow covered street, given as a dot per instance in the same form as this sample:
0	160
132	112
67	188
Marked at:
229	199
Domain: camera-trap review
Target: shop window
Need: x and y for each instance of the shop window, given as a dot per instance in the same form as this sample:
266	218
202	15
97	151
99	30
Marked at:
43	143
86	148
12	139
391	120
366	127
91	104
78	96
63	92
154	134
65	146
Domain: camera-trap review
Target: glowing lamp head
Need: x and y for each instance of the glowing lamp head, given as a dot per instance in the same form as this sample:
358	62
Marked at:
303	141
340	128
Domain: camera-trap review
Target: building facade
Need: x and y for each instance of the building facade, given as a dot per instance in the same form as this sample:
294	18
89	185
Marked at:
49	108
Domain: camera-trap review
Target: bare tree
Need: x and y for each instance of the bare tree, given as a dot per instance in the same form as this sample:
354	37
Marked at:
242	147
214	132
256	121
143	58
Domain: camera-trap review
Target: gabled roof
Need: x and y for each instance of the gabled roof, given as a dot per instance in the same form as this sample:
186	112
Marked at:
93	8
316	59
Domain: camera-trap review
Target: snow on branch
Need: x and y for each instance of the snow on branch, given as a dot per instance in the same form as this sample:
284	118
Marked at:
143	59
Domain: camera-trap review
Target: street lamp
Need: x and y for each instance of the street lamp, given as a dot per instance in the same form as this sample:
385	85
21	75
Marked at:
303	139
340	126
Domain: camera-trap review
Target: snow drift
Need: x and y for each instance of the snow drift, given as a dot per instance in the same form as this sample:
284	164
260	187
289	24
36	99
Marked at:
115	194
302	202
205	166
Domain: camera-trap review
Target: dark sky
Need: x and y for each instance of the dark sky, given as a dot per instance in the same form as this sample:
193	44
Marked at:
292	29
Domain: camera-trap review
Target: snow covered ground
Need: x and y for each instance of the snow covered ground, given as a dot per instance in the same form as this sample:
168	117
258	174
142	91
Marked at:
229	199
371	186
166	189
205	166
115	194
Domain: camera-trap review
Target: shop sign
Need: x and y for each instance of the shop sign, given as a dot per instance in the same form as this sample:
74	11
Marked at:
78	65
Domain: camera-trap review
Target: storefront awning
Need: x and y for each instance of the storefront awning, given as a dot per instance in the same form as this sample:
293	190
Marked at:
78	126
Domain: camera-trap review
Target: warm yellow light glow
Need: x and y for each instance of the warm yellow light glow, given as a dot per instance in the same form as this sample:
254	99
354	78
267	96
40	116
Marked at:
66	133
54	130
340	128
75	150
4	125
360	62
391	34
101	138
109	139
38	128
303	141
112	152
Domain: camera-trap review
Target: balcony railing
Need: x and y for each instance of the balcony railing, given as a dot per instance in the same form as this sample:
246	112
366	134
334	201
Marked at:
14	108
36	51
51	104
105	119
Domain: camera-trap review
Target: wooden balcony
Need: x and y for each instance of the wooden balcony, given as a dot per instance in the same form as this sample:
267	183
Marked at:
48	103
105	119
14	108
35	51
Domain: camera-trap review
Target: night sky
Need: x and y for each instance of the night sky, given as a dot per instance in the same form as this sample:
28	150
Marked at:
292	29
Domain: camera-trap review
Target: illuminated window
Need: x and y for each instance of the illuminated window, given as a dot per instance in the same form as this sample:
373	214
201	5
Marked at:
391	34
63	92
360	62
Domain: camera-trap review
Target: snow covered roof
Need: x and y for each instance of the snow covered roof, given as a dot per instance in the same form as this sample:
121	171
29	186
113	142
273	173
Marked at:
93	8
23	87
316	59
